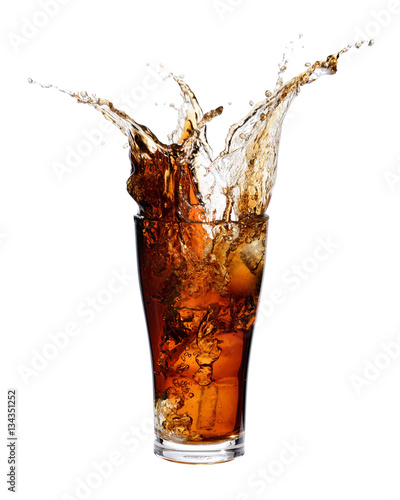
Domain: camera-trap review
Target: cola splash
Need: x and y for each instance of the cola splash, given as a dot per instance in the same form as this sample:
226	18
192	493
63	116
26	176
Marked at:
182	180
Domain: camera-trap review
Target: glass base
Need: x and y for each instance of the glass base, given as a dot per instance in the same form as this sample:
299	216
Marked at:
210	453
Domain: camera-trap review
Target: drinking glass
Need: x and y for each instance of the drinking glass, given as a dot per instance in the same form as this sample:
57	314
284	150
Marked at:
200	284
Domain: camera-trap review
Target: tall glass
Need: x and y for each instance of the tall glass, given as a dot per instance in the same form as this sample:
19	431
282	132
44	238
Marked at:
200	285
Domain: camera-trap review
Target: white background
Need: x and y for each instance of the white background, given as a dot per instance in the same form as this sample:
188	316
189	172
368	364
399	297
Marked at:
62	240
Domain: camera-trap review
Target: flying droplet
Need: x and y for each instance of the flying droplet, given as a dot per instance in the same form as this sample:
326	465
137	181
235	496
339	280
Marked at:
30	80
251	103
357	45
307	64
230	103
126	145
371	42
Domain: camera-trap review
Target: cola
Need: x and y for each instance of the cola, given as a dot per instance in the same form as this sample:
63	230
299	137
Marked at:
200	285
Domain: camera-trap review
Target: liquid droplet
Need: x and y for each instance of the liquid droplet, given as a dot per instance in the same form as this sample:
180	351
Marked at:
251	103
371	42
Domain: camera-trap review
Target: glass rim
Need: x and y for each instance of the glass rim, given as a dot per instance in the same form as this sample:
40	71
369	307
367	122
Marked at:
247	219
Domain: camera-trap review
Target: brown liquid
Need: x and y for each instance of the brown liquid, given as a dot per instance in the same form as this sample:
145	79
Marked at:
201	239
200	301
